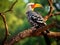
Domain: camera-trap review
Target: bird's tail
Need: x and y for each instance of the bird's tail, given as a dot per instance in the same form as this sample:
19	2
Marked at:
47	40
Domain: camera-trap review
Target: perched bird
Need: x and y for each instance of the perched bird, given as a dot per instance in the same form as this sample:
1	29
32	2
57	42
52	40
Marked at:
36	19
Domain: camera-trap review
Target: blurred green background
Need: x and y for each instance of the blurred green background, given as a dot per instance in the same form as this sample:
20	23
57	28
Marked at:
17	21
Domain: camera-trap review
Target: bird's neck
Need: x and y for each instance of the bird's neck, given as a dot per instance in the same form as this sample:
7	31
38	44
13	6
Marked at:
29	8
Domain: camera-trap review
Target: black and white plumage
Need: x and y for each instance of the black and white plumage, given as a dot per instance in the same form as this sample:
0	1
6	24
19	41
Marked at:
37	21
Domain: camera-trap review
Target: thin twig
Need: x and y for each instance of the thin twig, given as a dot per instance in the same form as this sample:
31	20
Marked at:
6	27
51	7
57	13
50	12
11	7
5	23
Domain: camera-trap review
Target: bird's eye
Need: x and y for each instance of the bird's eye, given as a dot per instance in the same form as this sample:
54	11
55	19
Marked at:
32	6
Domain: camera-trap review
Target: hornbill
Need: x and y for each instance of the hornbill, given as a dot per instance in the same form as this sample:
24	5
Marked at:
36	19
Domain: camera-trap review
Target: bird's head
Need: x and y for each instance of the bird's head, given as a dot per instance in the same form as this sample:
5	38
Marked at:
31	6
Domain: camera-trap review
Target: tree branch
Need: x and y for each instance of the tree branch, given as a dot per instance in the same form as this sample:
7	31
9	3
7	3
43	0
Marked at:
11	7
57	13
54	34
31	32
50	12
6	27
5	23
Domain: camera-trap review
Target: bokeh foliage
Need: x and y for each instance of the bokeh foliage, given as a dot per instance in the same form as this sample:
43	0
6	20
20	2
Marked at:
17	20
